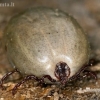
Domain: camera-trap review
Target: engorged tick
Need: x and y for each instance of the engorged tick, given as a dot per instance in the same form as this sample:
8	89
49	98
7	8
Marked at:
57	57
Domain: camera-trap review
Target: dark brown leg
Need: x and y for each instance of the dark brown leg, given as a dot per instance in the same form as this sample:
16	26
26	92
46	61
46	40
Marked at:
77	75
85	72
31	77
48	77
42	82
6	76
89	73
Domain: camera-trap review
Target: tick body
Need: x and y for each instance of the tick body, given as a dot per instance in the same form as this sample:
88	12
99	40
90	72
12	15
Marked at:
46	43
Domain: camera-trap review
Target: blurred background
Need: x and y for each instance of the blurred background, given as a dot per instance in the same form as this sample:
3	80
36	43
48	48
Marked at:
86	12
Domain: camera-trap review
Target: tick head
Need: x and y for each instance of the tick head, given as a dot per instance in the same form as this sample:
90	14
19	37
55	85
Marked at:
62	72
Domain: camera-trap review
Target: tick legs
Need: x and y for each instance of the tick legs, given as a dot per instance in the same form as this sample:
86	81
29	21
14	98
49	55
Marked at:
48	77
32	77
29	77
6	76
89	73
85	72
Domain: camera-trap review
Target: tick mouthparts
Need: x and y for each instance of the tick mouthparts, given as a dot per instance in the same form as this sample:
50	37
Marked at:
63	80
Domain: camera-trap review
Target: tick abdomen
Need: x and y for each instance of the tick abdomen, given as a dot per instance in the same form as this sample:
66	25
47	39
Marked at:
39	38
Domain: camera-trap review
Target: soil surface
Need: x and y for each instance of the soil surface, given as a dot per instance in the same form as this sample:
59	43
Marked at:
87	13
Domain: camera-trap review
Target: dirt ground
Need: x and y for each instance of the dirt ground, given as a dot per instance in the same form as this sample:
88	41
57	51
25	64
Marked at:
87	13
